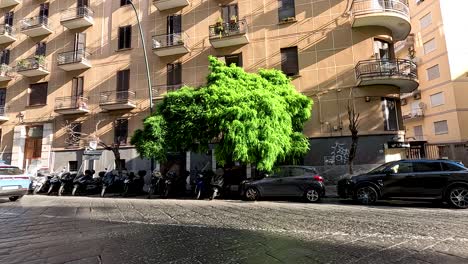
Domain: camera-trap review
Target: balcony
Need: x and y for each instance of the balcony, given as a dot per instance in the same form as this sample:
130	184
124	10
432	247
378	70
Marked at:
73	60
31	67
71	105
162	5
35	26
172	44
399	72
159	91
391	14
3	115
9	3
414	115
6	73
7	34
78	17
226	34
117	100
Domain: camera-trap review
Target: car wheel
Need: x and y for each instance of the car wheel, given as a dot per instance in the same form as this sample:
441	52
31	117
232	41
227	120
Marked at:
366	195
252	194
457	197
312	195
14	198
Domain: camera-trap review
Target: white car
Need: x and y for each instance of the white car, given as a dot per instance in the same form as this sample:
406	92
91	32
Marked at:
14	183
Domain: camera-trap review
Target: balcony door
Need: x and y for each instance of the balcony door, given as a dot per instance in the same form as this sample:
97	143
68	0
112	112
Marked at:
5	57
123	85
79	46
9	16
383	50
174	29
229	12
77	91
174	76
44	13
81	10
2	100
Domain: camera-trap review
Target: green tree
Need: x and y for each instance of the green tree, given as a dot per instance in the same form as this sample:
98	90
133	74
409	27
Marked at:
252	117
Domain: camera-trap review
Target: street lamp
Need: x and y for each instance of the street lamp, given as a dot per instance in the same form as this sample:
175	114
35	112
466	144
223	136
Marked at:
148	77
146	57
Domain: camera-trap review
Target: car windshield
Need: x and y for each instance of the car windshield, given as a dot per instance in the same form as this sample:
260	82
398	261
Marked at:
380	169
10	171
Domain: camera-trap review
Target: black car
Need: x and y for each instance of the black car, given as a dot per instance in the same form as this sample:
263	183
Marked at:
288	181
440	180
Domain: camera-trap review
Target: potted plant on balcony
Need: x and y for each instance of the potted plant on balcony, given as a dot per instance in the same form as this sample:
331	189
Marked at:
219	27
23	64
40	60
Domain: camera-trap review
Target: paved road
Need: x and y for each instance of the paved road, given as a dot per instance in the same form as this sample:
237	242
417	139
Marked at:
41	229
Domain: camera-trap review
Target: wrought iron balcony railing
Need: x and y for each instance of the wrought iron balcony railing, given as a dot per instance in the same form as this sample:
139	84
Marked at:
386	68
71	102
77	12
117	97
168	40
361	7
225	29
33	22
159	90
8	30
74	56
33	63
414	113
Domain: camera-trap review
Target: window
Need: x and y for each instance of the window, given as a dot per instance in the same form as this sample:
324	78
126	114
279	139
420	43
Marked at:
73	139
9	18
289	61
121	131
125	37
425	21
427	166
73	165
429	46
229	12
230	59
433	72
44	12
447	166
5	57
402	167
38	94
124	2
123	80
383	50
286	10
437	99
390	113
441	127
174	74
41	49
418	133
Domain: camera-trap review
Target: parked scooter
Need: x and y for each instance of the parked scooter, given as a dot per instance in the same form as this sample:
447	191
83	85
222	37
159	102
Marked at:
217	183
154	185
201	184
168	181
66	183
41	182
112	182
54	183
133	184
86	184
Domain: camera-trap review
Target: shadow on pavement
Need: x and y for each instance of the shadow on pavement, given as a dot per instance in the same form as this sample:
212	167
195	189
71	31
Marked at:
66	238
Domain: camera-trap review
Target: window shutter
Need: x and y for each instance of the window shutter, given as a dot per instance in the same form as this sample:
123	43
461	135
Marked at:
128	37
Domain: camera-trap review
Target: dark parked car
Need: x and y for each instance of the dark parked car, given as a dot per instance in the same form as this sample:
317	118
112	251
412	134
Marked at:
288	181
440	180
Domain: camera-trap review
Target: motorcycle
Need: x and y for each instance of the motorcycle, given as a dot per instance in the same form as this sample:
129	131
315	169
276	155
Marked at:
41	183
54	183
133	183
112	181
66	183
86	184
201	183
168	181
154	185
217	184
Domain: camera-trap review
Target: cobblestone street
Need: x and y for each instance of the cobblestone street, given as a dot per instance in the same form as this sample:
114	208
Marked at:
41	229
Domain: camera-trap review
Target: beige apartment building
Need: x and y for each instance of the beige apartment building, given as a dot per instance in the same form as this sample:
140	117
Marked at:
436	114
81	62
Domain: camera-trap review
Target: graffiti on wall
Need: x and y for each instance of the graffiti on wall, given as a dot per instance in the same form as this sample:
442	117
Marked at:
339	154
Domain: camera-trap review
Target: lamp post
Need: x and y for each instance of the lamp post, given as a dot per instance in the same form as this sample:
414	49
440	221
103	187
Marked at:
146	57
148	77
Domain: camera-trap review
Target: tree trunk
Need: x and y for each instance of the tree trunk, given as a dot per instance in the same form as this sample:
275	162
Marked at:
352	152
117	160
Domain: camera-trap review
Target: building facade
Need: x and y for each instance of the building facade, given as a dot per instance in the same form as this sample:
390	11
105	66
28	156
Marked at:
80	63
435	115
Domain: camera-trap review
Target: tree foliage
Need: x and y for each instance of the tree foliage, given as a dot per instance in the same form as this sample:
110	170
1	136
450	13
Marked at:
252	117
